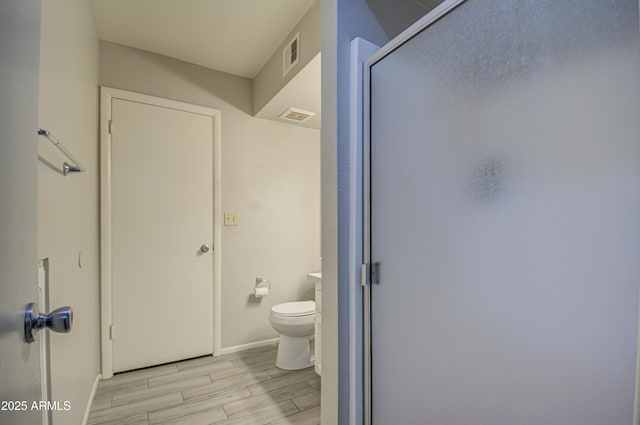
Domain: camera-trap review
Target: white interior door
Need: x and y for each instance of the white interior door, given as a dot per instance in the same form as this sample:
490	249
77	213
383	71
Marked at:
505	216
162	214
19	361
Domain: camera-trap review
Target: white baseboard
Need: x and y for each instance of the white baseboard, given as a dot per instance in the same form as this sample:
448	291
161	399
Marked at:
242	347
87	410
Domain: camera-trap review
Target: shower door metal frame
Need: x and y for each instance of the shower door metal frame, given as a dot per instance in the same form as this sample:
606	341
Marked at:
436	14
423	23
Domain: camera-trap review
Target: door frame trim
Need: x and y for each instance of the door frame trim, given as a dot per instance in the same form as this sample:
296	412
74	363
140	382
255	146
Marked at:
107	94
430	18
361	49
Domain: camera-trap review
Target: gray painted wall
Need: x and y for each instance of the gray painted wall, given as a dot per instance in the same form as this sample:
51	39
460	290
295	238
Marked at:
186	80
269	80
342	21
270	176
397	15
68	219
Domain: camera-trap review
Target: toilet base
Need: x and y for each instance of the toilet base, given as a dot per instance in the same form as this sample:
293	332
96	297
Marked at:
293	353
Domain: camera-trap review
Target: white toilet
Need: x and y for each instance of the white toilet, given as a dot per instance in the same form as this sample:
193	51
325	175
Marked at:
295	324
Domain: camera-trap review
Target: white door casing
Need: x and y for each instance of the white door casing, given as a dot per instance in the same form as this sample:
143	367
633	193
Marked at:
160	293
19	67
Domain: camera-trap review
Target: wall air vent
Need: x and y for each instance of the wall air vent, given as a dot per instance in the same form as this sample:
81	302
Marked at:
296	115
291	54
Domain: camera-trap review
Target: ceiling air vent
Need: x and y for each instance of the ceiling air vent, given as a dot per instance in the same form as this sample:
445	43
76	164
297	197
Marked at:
291	54
296	115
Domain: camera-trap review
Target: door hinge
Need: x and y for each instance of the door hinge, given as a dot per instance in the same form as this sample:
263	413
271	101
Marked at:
370	273
111	332
110	126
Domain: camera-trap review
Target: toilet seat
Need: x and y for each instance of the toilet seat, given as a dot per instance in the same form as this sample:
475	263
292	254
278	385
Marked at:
294	309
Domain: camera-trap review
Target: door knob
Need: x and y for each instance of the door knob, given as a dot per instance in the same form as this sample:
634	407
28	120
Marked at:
59	320
204	247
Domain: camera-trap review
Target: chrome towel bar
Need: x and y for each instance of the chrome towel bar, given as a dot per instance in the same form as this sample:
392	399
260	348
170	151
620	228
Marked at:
73	166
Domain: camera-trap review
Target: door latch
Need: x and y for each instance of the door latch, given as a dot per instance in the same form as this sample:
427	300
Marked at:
370	273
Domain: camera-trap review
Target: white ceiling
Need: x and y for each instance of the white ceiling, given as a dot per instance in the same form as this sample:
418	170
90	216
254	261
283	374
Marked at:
235	36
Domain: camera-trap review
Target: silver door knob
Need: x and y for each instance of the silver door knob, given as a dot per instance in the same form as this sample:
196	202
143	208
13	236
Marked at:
59	320
204	247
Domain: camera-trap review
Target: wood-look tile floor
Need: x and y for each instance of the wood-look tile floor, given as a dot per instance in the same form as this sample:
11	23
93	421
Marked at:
242	388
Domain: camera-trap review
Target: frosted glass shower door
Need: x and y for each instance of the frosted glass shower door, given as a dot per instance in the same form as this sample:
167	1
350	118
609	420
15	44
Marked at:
505	215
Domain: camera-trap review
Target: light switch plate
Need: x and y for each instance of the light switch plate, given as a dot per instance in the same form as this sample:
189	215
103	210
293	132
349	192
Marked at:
231	219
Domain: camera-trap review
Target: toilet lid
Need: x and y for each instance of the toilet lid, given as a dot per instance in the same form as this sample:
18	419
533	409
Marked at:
298	308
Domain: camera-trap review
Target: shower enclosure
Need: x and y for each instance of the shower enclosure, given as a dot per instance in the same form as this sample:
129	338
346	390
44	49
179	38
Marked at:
503	215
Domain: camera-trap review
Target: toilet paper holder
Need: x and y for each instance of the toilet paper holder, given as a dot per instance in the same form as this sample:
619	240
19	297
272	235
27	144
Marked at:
262	288
262	283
